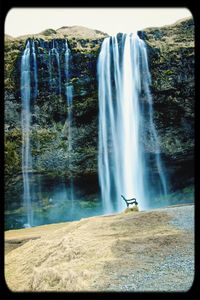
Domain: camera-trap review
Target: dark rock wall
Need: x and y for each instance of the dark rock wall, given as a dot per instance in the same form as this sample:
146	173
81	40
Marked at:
49	110
172	65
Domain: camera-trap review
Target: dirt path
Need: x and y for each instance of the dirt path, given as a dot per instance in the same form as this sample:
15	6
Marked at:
144	251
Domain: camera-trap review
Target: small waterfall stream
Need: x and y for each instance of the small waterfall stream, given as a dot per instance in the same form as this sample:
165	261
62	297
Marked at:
35	71
57	54
124	169
25	123
69	97
54	66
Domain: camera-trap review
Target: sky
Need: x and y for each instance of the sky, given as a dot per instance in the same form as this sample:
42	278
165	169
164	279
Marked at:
21	21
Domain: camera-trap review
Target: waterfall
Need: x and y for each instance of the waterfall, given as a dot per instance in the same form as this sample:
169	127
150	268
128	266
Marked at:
28	74
34	71
25	123
153	133
50	69
125	103
54	56
69	97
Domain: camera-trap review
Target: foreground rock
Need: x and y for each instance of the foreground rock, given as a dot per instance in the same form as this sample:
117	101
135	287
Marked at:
135	251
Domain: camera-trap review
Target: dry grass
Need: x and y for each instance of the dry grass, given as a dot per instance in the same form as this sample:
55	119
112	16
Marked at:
85	255
131	209
81	32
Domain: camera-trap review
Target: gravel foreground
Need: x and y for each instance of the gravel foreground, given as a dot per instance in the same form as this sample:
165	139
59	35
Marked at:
176	270
134	251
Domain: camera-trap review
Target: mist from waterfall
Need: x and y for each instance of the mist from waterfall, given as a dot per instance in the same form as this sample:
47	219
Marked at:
69	97
125	107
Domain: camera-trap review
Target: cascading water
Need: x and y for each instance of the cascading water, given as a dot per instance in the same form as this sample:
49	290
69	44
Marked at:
124	80
34	71
50	69
28	67
54	55
69	97
25	122
152	130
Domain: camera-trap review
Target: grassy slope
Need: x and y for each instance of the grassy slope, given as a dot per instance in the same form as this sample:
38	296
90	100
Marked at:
95	254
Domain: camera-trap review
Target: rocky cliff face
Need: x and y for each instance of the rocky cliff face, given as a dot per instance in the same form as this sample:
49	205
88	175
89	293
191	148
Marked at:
49	110
171	59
